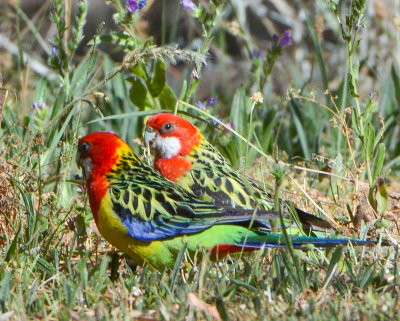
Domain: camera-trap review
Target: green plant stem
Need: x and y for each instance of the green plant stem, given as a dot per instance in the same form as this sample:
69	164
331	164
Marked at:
249	133
274	222
67	17
350	47
206	44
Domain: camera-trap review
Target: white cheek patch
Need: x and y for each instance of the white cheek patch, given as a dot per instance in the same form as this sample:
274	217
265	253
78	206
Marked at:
167	147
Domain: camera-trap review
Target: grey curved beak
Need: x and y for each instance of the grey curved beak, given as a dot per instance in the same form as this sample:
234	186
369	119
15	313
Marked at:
85	164
149	136
78	159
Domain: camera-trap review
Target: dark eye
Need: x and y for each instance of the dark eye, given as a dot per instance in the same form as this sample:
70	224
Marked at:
84	148
167	127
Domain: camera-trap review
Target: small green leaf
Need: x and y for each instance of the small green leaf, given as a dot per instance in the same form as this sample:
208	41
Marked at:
177	265
382	197
396	83
318	53
58	105
350	212
103	38
238	115
53	140
80	75
44	265
183	90
40	92
348	21
239	119
369	108
13	247
301	131
92	61
369	141
4	290
26	120
245	285
353	79
366	277
356	124
372	197
386	172
337	254
380	157
157	82
138	92
167	98
140	70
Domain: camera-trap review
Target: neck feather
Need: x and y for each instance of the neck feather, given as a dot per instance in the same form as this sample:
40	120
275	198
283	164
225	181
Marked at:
173	168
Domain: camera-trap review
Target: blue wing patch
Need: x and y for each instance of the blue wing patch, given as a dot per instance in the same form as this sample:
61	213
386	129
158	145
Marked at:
159	227
148	231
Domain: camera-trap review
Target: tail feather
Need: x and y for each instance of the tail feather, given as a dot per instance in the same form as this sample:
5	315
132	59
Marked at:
311	220
278	240
261	240
321	243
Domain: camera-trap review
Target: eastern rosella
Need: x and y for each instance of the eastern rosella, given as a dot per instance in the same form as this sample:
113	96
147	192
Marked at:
151	218
184	156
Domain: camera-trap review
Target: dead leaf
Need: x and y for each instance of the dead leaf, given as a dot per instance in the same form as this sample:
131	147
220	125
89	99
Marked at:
201	305
6	316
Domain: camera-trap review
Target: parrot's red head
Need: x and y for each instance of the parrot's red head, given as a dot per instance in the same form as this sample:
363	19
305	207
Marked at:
170	135
172	138
97	154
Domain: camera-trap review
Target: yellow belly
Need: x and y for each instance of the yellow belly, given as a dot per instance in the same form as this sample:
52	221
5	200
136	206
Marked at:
157	253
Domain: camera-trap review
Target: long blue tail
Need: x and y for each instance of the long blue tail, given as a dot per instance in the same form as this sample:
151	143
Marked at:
276	240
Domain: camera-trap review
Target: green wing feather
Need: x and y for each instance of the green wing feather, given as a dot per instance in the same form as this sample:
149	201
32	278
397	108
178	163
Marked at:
152	207
213	177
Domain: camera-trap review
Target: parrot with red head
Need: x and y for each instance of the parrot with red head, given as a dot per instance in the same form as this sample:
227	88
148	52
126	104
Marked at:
152	219
184	156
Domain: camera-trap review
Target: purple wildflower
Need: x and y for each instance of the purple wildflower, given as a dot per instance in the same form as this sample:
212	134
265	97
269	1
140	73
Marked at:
141	4
39	104
188	4
211	101
54	50
286	40
132	5
111	132
257	53
275	37
373	94
77	176
199	105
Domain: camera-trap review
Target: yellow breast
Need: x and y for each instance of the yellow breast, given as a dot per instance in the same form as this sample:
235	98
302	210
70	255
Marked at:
114	231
